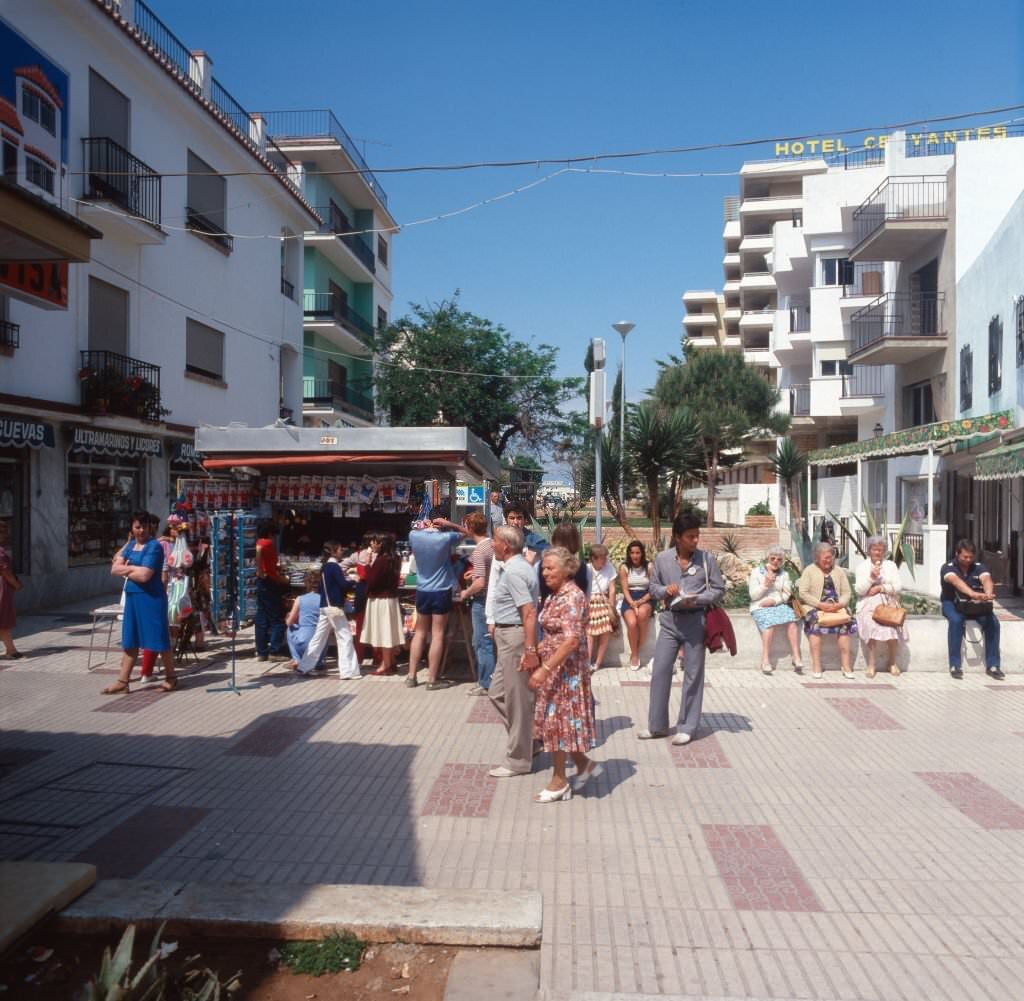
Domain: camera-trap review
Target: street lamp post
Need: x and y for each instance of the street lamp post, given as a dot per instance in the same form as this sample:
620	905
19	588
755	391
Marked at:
623	327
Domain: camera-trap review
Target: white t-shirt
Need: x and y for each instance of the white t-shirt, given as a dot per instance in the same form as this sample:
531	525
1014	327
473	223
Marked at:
600	580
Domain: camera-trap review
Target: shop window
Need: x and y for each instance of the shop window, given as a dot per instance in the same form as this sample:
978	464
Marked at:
103	491
38	109
966	377
204	350
37	173
836	271
995	355
918	406
13	509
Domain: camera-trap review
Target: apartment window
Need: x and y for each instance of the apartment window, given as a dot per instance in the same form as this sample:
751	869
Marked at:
836	368
37	108
995	355
836	271
10	162
1018	321
207	207
918	406
966	377
108	317
382	250
339	300
204	350
382	318
37	173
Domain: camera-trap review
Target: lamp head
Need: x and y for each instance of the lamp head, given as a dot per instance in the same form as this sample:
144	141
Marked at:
623	327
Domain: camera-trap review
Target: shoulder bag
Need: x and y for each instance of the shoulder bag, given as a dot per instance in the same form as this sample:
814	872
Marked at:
969	608
717	624
890	613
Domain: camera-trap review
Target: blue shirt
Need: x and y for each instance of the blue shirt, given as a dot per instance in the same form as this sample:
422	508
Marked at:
150	555
333	584
433	552
972	578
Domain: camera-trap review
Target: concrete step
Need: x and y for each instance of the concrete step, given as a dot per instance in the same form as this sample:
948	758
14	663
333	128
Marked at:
29	891
308	912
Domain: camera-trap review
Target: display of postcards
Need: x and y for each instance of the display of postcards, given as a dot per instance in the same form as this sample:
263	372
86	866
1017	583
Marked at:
306	484
338	511
328	489
401	485
353	510
341	487
355	488
385	490
316	488
367	489
295	488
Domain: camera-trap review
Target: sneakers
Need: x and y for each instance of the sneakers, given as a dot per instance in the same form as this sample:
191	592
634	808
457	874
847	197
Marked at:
817	675
798	667
410	681
681	738
650	734
501	772
956	672
995	672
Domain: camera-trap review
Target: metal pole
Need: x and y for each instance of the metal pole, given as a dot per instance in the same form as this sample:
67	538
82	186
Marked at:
622	426
597	486
931	482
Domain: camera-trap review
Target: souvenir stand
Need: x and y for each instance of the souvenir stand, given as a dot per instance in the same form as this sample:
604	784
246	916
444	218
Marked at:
337	483
233	578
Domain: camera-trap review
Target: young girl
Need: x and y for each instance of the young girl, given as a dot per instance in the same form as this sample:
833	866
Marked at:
601	590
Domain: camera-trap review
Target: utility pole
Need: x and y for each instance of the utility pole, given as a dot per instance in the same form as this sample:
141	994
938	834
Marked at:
597	413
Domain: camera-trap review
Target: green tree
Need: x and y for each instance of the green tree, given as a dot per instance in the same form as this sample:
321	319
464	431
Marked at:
790	464
731	401
660	442
444	365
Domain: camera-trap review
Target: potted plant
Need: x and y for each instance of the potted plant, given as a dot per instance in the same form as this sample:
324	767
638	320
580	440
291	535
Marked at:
760	516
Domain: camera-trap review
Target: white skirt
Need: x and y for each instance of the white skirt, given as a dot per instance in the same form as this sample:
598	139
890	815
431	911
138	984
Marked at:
382	625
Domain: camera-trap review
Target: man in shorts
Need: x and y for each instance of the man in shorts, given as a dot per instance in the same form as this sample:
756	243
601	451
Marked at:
433	545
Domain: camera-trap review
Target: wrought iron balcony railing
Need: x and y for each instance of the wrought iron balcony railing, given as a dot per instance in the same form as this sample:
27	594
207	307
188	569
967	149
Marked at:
899	199
898	314
335	221
864	380
330	393
287	288
204	226
328	306
116	384
115	174
868	278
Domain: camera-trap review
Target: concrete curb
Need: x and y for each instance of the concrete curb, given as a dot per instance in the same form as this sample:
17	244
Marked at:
31	890
374	913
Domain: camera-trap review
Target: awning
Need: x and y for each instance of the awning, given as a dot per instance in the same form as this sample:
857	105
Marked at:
115	442
913	440
17	432
1001	463
332	458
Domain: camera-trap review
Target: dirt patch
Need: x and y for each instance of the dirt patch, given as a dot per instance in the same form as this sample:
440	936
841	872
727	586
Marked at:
391	971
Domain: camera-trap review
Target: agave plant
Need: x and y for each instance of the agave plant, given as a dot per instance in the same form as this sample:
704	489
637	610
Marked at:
901	550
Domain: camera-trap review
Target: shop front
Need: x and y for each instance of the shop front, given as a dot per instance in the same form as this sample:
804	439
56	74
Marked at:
20	439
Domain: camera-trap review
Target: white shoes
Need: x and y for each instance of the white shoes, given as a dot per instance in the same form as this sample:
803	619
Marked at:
547	796
767	669
681	738
501	772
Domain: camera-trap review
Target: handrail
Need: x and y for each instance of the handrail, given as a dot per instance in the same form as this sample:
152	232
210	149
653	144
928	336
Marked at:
114	173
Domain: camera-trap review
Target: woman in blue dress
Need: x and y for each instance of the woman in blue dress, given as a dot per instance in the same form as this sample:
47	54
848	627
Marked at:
303	617
144	623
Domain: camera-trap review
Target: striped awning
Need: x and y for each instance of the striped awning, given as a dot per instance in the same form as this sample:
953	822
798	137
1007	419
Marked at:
1001	463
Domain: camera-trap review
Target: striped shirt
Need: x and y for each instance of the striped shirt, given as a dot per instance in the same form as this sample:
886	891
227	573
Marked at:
481	559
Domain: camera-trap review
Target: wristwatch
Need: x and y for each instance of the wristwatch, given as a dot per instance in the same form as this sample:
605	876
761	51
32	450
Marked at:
529	649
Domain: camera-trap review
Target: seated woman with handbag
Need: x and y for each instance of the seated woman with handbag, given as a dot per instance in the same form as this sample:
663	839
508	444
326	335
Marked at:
967	593
825	594
880	616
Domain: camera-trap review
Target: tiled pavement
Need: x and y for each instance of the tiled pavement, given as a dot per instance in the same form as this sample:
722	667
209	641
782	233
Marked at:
866	844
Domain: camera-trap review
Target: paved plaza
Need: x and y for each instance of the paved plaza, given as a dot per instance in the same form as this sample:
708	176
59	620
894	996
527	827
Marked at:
846	840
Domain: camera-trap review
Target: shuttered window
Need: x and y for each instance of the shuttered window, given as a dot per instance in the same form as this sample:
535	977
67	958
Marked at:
204	350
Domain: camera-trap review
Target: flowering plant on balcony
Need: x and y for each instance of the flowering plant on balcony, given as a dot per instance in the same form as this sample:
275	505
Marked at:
106	390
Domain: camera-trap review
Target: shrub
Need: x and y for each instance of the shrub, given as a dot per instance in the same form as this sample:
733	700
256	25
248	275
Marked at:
761	507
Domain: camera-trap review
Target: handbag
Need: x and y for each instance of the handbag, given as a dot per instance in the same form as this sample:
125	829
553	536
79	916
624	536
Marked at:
798	609
969	608
891	614
829	620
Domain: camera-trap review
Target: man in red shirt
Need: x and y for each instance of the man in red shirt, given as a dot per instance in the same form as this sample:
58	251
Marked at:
270	583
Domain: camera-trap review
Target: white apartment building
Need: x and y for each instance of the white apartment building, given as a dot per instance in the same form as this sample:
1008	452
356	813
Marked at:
843	270
186	312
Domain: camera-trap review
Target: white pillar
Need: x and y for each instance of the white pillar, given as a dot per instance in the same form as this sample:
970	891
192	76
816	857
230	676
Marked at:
203	72
931	482
857	501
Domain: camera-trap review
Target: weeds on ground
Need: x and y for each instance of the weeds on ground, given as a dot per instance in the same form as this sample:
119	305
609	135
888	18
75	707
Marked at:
339	951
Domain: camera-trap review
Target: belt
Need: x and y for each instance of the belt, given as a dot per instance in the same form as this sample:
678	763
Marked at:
508	625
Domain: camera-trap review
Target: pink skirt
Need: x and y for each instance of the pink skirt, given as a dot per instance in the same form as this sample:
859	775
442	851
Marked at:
868	629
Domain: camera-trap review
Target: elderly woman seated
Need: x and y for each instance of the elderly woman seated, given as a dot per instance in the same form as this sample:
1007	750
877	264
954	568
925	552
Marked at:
878	583
825	593
770	592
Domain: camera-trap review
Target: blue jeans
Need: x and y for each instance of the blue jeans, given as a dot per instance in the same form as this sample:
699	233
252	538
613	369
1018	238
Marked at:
483	645
269	619
989	626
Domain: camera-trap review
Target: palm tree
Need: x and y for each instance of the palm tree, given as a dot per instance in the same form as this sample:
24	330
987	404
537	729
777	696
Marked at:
659	442
790	464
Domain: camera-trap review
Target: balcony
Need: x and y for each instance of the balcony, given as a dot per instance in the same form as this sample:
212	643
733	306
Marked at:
703	321
10	335
205	227
867	280
800	401
116	384
336	224
898	327
799	318
757	281
899	217
758	319
863	389
114	175
323	394
325	310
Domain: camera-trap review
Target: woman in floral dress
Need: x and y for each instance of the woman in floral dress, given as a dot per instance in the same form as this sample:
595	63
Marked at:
824	587
564	715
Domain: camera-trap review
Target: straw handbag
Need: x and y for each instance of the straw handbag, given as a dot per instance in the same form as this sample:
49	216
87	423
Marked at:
889	614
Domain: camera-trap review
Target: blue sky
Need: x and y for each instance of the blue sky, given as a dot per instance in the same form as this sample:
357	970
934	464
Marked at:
466	81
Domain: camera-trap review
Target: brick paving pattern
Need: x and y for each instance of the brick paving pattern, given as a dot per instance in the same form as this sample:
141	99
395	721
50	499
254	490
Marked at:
461	791
483	711
758	872
986	806
864	714
870	882
133	702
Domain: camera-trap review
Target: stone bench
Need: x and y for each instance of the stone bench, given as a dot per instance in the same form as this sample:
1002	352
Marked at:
926	651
